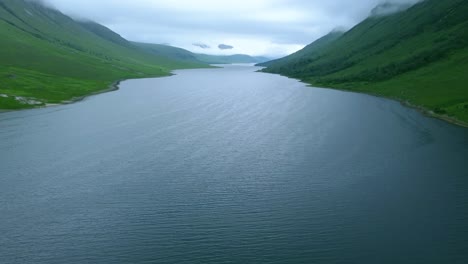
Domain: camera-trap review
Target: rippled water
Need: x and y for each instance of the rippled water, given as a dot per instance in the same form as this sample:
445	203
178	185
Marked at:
231	166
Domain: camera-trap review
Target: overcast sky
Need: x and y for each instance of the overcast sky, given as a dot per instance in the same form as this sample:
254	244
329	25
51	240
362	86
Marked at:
255	27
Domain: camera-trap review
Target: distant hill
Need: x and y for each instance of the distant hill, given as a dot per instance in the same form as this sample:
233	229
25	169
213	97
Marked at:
47	57
168	52
221	59
417	55
187	56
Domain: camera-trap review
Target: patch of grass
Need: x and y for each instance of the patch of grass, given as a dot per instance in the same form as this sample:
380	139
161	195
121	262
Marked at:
45	87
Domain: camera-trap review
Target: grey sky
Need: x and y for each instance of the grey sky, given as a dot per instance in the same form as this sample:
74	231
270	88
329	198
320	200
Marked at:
255	27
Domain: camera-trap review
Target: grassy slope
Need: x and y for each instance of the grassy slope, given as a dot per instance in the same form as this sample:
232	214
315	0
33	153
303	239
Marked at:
309	51
419	56
169	52
48	56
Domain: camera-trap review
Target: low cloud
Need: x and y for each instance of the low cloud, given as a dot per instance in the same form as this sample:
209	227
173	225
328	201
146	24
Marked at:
225	47
260	27
386	9
201	45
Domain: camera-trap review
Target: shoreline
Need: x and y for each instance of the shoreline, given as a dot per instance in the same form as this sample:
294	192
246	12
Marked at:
422	110
111	88
114	86
431	113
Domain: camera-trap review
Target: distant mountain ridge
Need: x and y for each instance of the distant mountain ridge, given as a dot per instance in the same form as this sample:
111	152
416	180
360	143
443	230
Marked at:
228	59
185	55
418	55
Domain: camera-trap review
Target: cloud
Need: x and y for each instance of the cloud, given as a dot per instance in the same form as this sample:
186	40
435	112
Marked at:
260	27
201	45
225	47
386	9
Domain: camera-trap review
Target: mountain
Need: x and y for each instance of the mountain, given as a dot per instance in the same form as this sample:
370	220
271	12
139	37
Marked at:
310	50
418	55
222	59
48	57
187	56
105	33
169	52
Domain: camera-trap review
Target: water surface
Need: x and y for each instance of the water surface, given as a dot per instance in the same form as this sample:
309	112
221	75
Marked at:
231	166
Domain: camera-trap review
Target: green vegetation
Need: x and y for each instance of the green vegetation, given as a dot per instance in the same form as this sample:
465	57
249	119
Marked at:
418	56
47	57
169	52
310	50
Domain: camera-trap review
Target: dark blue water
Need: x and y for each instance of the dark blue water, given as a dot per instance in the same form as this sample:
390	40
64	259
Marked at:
231	166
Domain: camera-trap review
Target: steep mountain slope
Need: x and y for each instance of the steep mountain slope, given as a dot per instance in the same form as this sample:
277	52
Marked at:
418	55
309	51
47	57
105	33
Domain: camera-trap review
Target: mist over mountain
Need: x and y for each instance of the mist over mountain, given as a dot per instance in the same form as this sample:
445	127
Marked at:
281	27
389	8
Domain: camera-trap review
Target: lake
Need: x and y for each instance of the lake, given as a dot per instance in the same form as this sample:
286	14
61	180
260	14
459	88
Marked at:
231	166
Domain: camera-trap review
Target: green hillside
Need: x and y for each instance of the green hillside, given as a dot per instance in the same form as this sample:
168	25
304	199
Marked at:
418	56
169	52
47	57
310	50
